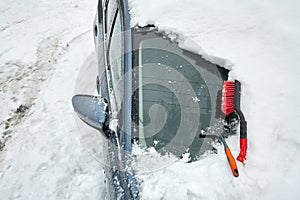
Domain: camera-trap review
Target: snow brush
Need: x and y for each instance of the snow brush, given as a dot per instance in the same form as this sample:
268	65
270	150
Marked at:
231	97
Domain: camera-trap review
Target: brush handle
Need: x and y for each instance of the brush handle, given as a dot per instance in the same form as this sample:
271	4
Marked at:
231	162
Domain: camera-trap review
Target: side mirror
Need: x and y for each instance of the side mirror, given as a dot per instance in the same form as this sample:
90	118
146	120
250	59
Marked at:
93	111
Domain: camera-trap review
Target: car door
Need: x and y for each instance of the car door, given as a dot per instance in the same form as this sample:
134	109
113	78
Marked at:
116	23
115	73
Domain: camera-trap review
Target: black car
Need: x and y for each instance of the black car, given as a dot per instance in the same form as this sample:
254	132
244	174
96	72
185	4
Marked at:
152	92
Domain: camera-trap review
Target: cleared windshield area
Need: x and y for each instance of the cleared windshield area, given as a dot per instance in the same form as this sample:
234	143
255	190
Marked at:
177	98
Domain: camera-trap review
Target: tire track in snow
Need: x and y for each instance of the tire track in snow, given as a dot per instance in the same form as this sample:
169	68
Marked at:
20	83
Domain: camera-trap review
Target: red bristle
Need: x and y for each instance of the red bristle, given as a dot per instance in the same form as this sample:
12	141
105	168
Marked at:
228	97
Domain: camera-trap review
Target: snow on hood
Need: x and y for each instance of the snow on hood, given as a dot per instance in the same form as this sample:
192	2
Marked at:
188	44
261	39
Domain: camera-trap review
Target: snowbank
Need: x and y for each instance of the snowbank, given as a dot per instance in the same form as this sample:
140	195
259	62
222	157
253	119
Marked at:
261	39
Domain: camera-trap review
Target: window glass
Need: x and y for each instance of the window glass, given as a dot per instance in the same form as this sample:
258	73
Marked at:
110	13
115	60
177	98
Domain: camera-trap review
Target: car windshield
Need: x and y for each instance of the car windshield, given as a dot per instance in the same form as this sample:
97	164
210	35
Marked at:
176	97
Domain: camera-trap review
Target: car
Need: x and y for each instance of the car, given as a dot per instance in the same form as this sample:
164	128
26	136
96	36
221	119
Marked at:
152	91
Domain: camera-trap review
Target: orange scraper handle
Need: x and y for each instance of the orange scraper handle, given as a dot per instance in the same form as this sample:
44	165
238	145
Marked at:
232	162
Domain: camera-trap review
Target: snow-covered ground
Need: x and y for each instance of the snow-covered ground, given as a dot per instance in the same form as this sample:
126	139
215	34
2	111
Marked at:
43	45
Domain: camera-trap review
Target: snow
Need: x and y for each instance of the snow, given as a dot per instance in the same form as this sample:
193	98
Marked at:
41	53
261	39
44	45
